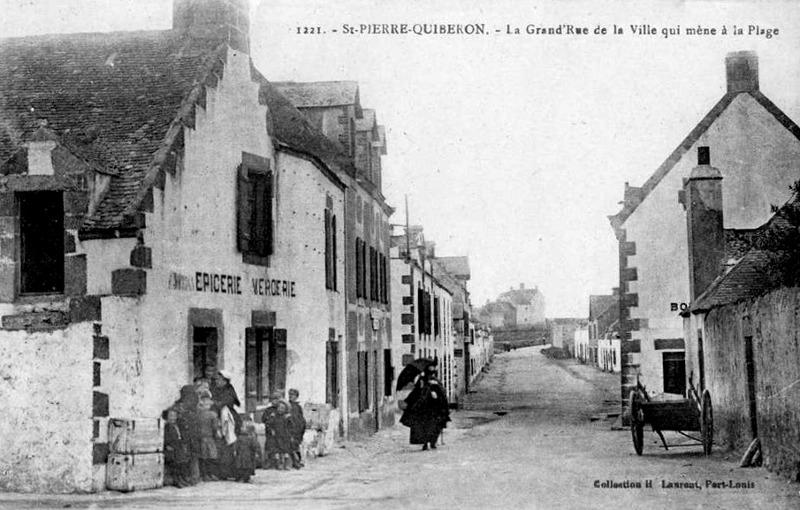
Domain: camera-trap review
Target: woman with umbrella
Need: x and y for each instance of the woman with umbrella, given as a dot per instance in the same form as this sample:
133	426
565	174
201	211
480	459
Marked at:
426	409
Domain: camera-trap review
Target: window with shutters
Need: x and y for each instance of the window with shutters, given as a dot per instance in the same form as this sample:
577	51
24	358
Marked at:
330	250
256	361
277	361
332	370
359	264
363	382
254	204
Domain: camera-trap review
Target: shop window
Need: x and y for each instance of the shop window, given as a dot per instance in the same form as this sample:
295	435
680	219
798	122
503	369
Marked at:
255	229
41	242
674	372
205	346
332	371
256	361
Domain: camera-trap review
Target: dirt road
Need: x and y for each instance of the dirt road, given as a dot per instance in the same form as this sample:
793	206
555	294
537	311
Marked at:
533	435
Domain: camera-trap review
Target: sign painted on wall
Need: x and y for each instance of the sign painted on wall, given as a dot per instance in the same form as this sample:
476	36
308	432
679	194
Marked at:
221	283
674	307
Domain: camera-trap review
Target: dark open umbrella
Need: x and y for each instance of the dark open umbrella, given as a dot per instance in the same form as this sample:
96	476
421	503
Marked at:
412	370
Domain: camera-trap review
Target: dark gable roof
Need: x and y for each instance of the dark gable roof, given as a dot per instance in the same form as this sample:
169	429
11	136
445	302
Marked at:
749	278
456	266
115	98
598	305
292	129
634	199
319	94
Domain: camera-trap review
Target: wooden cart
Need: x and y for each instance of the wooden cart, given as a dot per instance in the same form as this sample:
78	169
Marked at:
682	416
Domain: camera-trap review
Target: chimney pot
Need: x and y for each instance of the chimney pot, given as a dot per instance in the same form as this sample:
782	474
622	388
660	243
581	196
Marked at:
742	71
703	156
220	21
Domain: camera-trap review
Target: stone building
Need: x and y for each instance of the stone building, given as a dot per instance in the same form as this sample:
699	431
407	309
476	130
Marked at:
165	209
421	307
742	329
335	109
528	305
756	147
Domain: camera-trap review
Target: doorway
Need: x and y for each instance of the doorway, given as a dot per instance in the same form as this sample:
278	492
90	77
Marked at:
674	366
204	350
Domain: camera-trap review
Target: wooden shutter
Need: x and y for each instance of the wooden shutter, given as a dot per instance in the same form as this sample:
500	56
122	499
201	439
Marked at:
269	227
333	249
244	209
280	358
251	370
327	250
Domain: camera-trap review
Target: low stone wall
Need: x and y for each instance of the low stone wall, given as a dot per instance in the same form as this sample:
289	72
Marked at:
46	429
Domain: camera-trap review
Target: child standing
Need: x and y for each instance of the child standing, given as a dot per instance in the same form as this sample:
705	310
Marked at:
298	427
248	453
209	432
279	441
176	453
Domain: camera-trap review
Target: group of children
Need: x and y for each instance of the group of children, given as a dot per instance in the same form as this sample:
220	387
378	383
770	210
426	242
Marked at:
204	441
284	426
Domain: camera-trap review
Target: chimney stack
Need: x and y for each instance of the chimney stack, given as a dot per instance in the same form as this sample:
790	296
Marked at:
219	21
702	199
741	69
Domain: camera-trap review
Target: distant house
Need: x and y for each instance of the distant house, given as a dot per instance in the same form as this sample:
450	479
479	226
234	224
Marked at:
756	147
603	312
528	304
562	332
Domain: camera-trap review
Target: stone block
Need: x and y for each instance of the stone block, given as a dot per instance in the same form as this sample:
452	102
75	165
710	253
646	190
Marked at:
629	274
627	248
8	248
99	453
76	202
630	346
7	204
408	339
96	375
142	256
75	275
99	404
36	321
100	349
668	343
262	319
85	308
128	282
630	300
70	245
407	318
8	283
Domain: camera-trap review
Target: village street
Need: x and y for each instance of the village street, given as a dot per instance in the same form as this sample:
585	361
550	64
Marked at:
534	435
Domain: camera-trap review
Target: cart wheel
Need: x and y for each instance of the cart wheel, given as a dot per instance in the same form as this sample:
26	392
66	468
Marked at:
637	423
707	423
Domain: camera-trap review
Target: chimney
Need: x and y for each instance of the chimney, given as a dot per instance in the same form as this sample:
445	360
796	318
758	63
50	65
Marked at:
219	21
741	69
702	199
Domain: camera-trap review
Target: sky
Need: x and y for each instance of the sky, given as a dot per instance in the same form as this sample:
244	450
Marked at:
512	149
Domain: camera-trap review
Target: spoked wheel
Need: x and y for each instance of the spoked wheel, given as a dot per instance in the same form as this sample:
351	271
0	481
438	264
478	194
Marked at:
637	423
707	423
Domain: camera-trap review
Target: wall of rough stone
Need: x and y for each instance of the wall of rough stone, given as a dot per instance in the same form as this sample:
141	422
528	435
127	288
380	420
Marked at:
776	342
776	349
726	376
46	400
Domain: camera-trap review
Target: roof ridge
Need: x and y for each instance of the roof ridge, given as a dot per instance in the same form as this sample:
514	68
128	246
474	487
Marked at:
175	130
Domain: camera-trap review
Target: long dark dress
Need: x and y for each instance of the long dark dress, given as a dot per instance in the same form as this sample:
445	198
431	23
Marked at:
188	424
225	396
427	412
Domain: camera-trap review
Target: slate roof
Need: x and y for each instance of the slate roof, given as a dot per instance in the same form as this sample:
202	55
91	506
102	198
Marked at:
456	266
635	196
749	278
293	129
598	305
319	93
114	98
